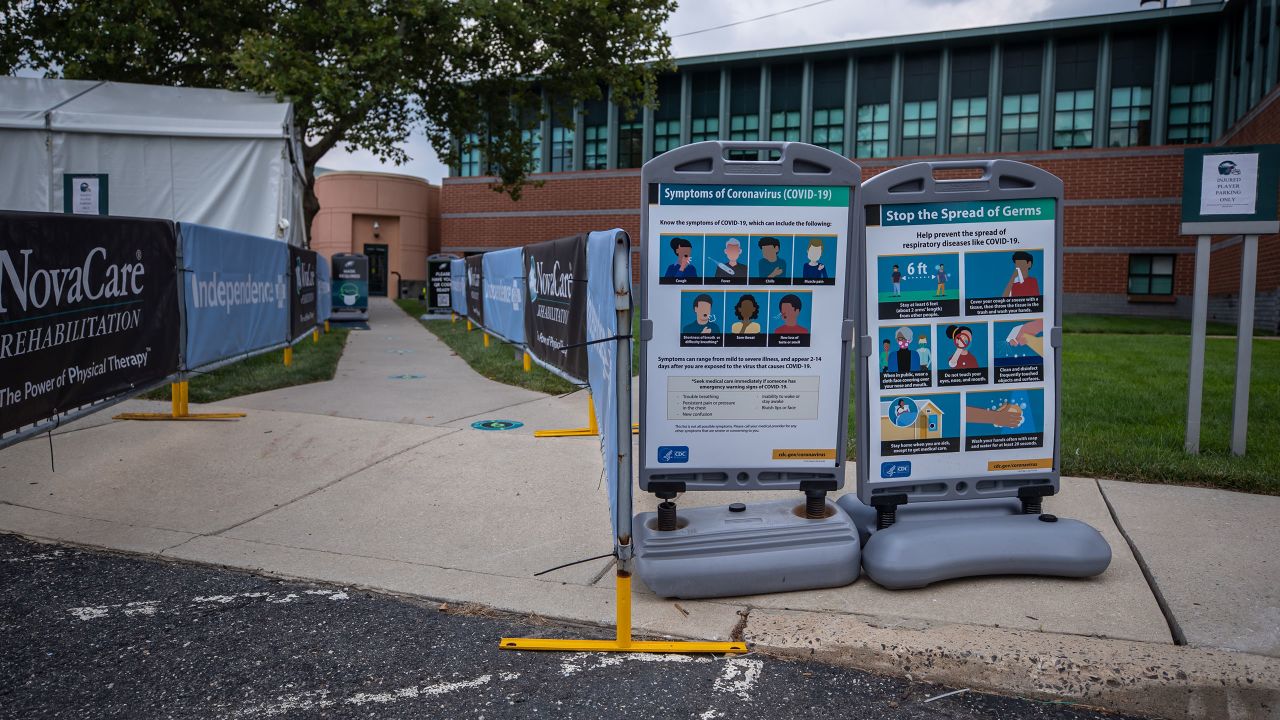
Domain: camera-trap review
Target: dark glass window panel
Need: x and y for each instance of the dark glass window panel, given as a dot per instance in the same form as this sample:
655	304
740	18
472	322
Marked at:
1133	60
668	98
785	83
970	69
744	91
1022	65
706	94
1076	64
1193	56
920	77
828	84
874	76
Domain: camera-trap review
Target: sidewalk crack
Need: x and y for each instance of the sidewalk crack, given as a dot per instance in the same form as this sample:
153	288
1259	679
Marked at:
1175	629
328	485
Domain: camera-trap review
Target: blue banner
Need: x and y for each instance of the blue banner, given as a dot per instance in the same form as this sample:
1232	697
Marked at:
324	301
504	288
458	286
602	357
236	293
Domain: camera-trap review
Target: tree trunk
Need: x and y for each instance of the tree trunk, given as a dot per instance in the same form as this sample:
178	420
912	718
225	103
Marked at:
310	203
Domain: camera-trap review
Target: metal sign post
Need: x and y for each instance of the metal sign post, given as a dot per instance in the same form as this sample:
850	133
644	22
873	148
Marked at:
1227	191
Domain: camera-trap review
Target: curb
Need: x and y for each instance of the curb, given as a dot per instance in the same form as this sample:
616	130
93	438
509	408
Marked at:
1122	676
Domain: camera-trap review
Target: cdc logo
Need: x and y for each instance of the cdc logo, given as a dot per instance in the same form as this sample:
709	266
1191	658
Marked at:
895	469
673	453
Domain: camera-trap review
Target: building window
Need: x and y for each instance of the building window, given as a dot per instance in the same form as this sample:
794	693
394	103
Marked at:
704	123
1192	63
595	135
1019	122
469	166
1020	102
871	129
784	102
1130	117
1190	113
970	78
969	125
1073	119
561	145
744	109
666	117
1133	68
828	105
920	105
920	127
533	138
1075	77
1151	274
630	144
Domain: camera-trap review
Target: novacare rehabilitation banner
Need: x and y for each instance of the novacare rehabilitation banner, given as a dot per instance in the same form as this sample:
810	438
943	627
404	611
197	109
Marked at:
236	291
475	289
458	286
88	311
602	355
303	312
555	318
504	294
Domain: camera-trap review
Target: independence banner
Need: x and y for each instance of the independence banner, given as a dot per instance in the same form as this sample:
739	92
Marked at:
237	296
475	289
303	309
602	355
504	294
555	316
88	311
458	286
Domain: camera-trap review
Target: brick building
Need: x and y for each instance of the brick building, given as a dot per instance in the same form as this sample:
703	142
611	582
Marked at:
1107	103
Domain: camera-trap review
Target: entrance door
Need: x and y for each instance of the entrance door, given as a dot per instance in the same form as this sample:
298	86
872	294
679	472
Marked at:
377	269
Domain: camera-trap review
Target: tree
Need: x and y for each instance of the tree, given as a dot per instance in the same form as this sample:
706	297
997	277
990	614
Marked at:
364	74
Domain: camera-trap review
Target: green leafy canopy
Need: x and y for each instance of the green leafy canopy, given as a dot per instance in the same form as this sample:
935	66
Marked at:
365	75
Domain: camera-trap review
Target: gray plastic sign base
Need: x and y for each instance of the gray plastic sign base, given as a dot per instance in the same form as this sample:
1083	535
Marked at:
916	554
864	516
764	548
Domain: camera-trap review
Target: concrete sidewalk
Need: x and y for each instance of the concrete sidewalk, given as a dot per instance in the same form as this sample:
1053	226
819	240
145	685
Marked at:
377	481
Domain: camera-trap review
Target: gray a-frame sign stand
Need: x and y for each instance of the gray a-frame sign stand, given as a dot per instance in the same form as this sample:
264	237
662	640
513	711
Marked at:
959	346
1226	191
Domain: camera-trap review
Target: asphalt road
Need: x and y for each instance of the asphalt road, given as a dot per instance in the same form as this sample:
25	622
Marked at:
95	635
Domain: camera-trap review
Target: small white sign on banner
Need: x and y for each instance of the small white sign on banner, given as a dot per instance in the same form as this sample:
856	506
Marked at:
1229	184
84	196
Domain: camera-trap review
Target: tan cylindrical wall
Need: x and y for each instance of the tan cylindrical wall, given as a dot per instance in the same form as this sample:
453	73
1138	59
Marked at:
406	210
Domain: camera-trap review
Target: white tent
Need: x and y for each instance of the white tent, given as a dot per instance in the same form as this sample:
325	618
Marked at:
226	159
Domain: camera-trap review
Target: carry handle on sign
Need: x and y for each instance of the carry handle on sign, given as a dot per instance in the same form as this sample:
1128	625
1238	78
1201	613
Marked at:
960	333
747	316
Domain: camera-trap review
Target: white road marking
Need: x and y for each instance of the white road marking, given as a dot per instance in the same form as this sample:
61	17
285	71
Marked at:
321	699
579	662
711	715
39	557
739	676
151	607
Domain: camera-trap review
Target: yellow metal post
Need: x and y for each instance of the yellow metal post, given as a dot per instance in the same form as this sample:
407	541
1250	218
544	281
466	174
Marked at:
470	327
326	327
486	339
288	356
528	362
622	642
315	335
180	408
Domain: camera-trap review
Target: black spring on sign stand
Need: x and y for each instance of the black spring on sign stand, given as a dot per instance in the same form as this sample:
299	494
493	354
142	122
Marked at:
666	516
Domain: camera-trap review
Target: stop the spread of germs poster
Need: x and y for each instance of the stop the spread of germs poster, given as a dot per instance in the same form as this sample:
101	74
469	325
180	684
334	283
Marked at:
960	302
746	292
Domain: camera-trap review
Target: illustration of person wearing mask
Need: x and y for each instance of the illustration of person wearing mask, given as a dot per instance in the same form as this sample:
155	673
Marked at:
961	336
814	269
702	324
904	359
683	266
1021	284
926	357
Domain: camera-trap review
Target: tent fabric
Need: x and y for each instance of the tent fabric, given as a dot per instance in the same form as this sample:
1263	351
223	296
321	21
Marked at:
211	157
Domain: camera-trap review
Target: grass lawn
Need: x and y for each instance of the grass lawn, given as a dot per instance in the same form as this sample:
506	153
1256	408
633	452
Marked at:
312	362
1142	326
499	361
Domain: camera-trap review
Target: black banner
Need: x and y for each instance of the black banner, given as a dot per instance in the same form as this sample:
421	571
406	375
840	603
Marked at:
555	317
302	291
438	287
475	289
88	310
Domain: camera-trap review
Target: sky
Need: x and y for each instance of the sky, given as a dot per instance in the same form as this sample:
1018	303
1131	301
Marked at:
823	21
